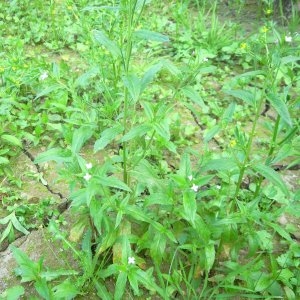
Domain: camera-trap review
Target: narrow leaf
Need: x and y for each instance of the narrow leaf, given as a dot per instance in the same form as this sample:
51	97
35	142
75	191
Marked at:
280	106
189	92
3	160
244	95
113	182
18	225
190	206
272	176
11	140
149	75
48	90
104	40
80	136
107	136
56	154
120	286
137	131
151	36
220	164
133	84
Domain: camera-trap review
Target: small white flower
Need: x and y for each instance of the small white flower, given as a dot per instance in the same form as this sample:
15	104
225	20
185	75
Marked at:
88	165
205	59
195	187
190	177
43	76
288	39
87	176
131	260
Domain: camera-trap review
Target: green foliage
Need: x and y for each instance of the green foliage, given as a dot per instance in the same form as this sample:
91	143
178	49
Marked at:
182	193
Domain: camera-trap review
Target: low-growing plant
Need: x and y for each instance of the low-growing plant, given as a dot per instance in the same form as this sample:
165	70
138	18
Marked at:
160	216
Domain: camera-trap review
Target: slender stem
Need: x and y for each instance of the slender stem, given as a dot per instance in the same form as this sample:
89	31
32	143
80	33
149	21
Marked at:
248	148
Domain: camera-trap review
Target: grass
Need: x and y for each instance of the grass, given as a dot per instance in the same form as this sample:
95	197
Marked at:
195	121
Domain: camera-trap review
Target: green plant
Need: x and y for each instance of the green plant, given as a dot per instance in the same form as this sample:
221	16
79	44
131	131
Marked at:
182	194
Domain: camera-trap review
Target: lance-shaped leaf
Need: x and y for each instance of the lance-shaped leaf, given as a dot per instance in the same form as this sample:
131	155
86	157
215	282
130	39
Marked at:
133	84
80	136
280	106
55	154
107	136
151	36
106	42
149	75
244	95
113	182
272	176
11	140
137	131
189	92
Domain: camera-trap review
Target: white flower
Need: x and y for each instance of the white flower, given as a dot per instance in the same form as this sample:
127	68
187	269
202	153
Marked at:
205	59
131	260
190	177
88	165
87	176
195	187
43	76
288	39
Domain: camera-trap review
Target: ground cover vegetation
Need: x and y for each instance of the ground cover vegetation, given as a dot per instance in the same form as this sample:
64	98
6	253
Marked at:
191	109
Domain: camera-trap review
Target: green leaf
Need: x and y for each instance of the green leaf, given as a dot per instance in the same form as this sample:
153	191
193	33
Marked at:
6	232
102	292
158	247
204	180
120	286
43	289
211	133
263	283
134	85
189	92
28	269
151	36
13	293
280	231
280	106
50	275
220	164
113	182
210	255
162	129
244	95
149	75
111	46
55	154
48	90
148	109
3	160
172	69
251	74
185	167
133	282
190	206
107	136
228	113
66	290
17	225
272	176
289	59
137	131
80	136
12	140
86	77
